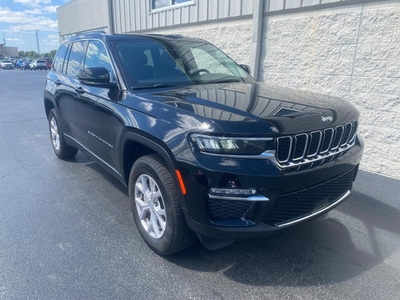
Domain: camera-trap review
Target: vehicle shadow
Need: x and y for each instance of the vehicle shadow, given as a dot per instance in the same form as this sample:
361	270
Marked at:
84	160
319	252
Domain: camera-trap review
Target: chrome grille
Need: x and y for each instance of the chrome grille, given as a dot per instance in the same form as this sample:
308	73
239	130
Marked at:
317	145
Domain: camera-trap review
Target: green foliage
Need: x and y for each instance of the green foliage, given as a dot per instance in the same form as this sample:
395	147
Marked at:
34	55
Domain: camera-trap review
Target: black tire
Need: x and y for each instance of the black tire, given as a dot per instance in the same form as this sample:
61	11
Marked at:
60	147
176	235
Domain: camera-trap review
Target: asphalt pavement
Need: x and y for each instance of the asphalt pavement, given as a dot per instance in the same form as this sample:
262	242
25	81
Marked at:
66	232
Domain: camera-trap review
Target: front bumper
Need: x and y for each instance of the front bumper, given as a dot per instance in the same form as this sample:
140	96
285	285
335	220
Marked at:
289	198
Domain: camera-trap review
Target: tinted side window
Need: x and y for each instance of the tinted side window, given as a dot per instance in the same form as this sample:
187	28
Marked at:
59	59
75	58
97	56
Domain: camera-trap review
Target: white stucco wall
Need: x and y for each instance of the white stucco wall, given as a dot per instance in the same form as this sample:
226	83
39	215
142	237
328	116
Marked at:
351	52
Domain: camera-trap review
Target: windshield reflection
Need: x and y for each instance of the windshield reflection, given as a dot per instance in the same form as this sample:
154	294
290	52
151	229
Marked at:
169	62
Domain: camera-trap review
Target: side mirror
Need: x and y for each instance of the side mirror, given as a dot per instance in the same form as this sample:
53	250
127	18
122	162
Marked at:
96	76
246	68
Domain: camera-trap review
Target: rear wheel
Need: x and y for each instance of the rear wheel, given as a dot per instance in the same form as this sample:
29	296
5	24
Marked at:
156	209
60	147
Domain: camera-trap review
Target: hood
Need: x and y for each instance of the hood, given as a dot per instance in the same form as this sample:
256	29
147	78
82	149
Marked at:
259	109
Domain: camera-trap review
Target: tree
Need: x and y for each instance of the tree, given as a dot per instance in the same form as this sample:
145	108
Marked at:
32	54
52	53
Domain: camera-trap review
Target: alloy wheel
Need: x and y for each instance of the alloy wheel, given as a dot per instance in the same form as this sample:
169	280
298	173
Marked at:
55	136
150	206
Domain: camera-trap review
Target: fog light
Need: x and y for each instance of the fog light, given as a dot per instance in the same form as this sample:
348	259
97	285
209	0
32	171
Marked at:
235	194
228	191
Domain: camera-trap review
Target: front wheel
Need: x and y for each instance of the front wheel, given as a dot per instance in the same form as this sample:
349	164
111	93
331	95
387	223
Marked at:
60	147
155	206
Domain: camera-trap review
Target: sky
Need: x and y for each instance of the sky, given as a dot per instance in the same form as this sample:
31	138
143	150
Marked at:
19	20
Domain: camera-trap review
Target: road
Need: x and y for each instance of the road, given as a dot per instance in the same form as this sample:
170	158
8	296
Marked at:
66	232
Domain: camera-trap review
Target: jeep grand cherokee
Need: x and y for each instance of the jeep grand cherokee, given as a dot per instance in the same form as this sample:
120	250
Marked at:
204	150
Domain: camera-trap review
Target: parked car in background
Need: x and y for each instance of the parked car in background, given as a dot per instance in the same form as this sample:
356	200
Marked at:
6	64
204	150
38	65
19	63
25	65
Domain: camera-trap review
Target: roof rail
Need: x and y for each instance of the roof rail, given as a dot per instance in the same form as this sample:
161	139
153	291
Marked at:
100	32
167	35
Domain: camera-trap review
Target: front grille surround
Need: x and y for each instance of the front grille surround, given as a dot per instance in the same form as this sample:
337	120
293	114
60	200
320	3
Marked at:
310	147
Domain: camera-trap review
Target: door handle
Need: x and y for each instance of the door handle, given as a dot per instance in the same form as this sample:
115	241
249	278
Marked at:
79	90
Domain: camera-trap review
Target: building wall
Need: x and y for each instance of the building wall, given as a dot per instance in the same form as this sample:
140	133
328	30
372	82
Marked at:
137	15
8	51
351	52
83	15
233	37
12	51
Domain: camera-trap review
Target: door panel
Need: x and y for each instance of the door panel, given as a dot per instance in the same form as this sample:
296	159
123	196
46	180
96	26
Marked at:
94	107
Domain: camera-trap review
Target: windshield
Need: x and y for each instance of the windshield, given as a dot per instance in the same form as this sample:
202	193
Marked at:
148	63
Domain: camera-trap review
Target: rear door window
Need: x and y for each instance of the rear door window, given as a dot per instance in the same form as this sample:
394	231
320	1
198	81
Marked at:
75	58
59	59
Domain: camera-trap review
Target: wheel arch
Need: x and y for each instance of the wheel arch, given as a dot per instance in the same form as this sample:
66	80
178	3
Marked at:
136	145
48	106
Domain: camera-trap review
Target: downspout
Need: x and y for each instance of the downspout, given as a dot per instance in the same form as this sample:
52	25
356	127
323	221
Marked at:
258	13
110	16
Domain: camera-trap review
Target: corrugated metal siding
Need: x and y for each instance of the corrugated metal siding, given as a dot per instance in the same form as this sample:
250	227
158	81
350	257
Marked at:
275	5
136	15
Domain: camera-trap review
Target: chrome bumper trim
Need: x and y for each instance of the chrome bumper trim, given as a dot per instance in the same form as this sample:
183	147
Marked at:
341	199
254	198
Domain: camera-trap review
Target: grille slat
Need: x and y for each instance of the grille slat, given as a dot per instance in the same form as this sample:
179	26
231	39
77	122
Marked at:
338	137
328	138
300	146
346	135
315	143
321	145
285	145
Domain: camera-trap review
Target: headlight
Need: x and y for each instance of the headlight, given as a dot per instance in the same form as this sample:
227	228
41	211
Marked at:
230	145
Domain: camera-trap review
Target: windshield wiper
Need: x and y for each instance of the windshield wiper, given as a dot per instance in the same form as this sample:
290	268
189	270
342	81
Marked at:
226	80
143	87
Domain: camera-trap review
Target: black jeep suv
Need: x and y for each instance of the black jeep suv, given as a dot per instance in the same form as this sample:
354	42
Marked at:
204	150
